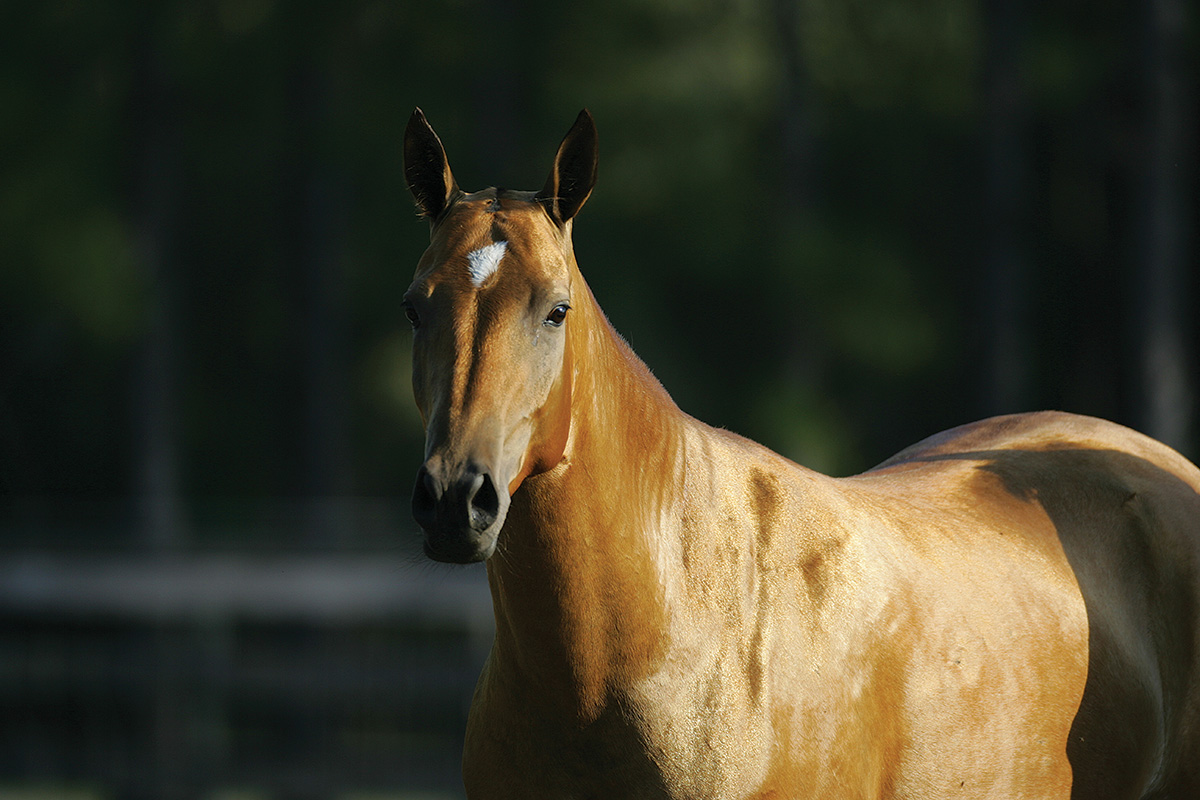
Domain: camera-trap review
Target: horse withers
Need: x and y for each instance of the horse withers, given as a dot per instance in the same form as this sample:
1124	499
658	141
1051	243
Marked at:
1005	610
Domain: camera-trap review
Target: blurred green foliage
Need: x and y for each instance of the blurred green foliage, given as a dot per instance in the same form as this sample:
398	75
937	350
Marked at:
226	174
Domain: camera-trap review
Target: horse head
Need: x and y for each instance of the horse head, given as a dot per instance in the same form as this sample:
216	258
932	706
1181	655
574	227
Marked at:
491	310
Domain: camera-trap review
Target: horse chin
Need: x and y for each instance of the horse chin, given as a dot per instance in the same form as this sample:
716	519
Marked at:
462	547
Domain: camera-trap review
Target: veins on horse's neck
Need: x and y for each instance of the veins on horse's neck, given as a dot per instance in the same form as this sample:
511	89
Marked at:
577	588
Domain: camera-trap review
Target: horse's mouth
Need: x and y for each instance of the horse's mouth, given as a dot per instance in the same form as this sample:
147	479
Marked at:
458	547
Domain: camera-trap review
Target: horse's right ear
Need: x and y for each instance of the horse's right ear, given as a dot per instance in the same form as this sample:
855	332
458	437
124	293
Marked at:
426	168
574	172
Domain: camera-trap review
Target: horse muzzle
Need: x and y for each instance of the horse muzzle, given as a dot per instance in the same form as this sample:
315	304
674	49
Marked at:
461	514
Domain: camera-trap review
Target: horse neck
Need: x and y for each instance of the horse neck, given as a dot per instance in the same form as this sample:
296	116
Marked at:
578	579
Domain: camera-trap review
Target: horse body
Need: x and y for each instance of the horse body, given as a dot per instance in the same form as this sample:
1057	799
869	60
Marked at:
1004	610
803	649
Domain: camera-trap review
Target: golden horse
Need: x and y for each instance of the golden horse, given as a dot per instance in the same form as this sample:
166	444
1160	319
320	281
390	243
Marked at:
1004	610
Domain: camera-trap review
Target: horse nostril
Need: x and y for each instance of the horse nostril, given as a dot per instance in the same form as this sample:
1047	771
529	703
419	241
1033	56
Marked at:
470	502
425	499
485	504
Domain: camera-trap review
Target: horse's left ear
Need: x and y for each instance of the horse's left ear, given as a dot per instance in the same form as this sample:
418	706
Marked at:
574	172
426	168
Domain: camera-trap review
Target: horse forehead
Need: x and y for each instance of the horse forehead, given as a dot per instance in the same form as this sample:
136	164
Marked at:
483	262
485	238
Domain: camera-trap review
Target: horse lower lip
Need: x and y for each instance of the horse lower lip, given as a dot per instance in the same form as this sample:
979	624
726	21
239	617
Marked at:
458	547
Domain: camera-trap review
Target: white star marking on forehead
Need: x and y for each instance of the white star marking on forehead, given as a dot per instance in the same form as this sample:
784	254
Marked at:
483	262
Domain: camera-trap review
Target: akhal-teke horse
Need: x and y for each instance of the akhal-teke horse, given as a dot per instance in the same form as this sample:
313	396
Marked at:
1005	610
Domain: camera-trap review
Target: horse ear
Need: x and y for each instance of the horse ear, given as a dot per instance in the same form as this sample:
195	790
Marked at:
426	168
574	172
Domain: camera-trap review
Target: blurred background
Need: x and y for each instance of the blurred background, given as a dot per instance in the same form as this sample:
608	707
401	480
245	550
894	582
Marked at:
835	226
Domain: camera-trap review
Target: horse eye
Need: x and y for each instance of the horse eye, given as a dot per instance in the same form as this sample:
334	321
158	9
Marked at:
557	315
413	316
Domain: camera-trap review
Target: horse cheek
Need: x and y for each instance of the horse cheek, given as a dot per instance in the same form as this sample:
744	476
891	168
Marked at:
551	425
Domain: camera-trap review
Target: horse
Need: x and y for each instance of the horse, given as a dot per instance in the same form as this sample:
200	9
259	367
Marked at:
1007	609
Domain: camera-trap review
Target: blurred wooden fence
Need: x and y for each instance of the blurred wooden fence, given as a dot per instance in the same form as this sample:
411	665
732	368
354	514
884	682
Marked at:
274	676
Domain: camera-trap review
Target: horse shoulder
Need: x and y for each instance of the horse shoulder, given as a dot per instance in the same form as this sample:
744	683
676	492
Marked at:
857	615
922	603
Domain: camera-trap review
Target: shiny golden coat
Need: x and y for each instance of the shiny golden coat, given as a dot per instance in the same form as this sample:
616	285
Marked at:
1005	610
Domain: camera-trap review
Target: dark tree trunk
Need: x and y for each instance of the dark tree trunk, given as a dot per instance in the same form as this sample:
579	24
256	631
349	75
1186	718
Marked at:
1163	258
796	139
154	161
803	356
312	220
1005	367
